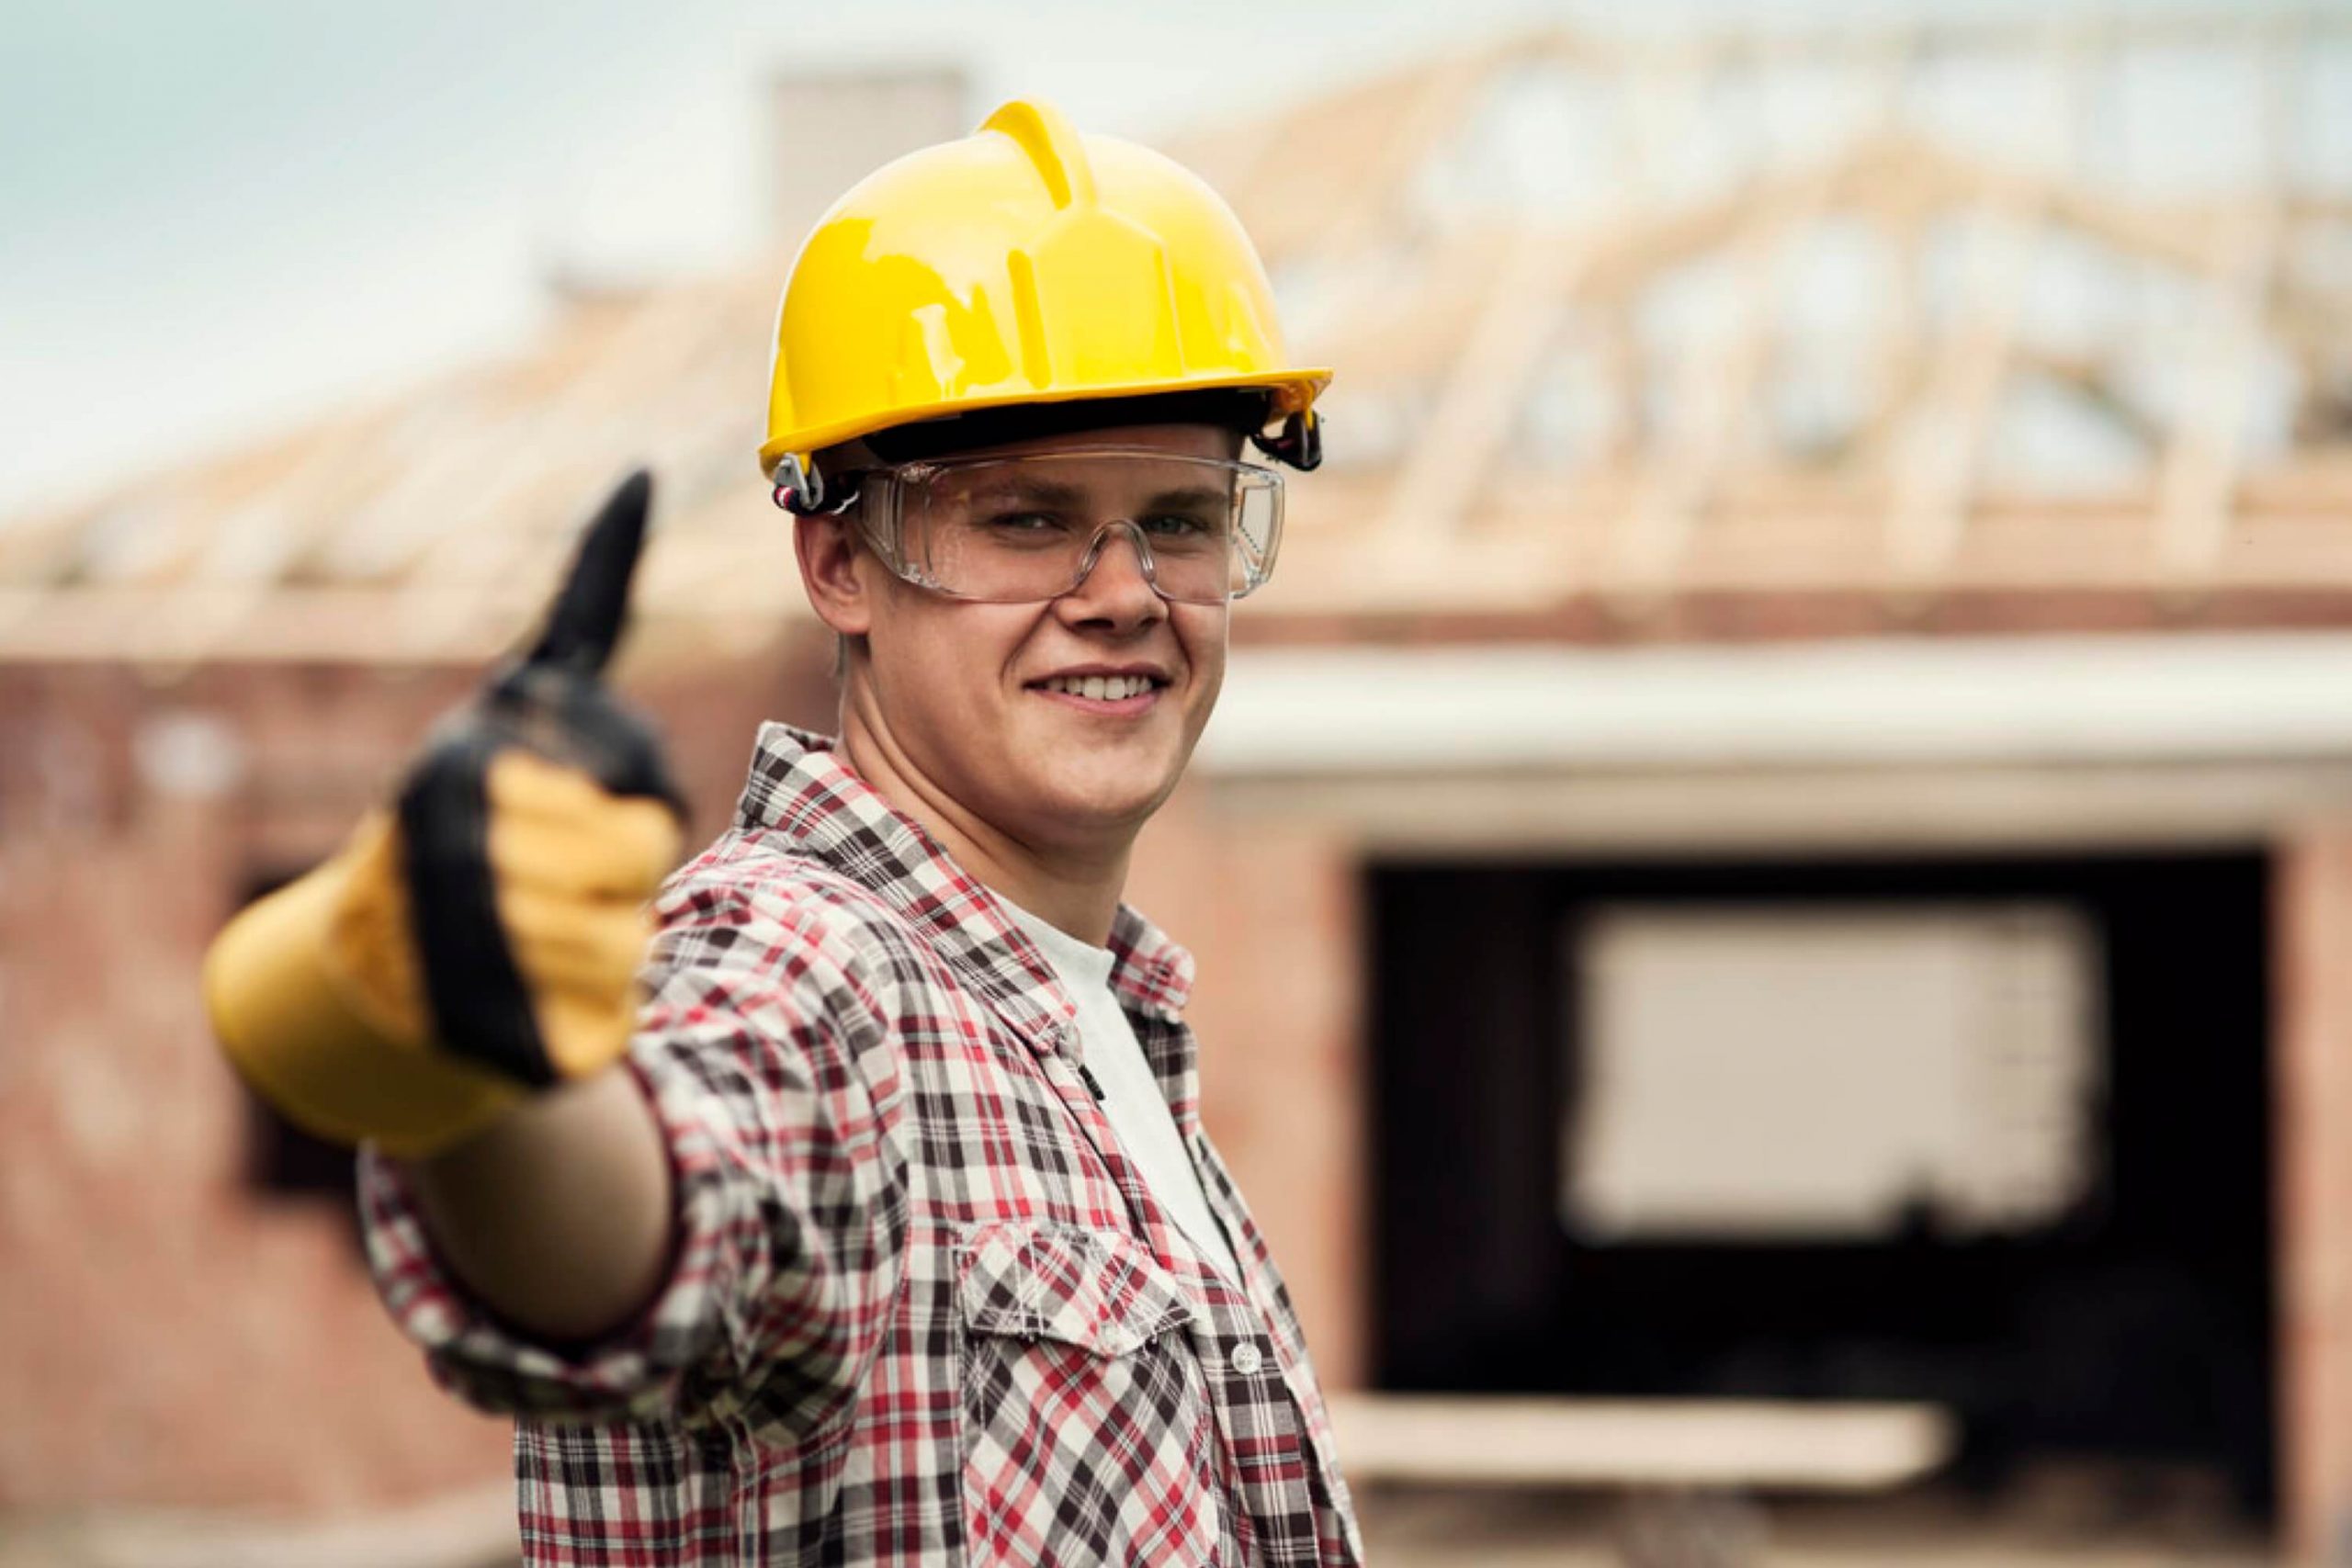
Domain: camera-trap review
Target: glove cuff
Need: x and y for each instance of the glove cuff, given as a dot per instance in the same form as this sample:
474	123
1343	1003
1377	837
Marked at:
303	1035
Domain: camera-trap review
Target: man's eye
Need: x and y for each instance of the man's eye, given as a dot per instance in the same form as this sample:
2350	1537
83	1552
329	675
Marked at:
1031	525
1180	525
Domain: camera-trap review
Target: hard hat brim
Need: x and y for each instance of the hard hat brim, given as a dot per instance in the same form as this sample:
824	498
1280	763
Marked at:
1294	391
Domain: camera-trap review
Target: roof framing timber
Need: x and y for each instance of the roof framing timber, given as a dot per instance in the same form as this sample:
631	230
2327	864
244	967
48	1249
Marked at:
2199	372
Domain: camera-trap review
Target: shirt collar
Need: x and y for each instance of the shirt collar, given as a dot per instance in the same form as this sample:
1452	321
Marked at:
801	790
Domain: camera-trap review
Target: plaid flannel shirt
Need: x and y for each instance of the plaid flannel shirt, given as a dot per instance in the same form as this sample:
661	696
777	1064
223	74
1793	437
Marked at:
922	1310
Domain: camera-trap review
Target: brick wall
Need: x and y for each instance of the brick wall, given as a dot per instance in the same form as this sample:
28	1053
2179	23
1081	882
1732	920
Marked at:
2313	1099
1271	914
167	1336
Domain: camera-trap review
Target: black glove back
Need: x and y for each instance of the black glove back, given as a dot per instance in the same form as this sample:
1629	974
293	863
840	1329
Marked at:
552	701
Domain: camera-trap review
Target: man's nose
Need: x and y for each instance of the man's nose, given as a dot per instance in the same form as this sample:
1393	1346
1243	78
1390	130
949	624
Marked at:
1114	586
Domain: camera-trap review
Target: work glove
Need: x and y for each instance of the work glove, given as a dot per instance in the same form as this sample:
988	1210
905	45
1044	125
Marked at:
479	940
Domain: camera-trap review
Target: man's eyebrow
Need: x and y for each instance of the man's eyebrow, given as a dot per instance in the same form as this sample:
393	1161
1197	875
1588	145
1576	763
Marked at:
1195	495
1029	491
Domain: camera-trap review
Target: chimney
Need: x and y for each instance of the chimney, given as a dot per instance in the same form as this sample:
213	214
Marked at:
833	128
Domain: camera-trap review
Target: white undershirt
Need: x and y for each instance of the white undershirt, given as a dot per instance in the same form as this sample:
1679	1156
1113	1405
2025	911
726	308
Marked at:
1132	1099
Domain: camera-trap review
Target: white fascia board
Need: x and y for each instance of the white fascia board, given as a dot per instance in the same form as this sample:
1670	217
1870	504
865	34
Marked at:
2044	700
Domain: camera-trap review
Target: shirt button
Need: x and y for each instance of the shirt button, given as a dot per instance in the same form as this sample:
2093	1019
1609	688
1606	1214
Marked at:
1246	1360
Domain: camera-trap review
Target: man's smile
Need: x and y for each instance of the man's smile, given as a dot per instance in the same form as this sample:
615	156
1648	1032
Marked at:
1117	691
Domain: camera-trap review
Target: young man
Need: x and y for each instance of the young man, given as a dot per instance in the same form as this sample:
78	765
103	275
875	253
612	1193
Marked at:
897	1240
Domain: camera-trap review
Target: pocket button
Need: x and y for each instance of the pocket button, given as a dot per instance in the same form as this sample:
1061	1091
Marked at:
1246	1360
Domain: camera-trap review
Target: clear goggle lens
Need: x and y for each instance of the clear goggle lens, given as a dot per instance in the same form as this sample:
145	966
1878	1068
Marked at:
1023	530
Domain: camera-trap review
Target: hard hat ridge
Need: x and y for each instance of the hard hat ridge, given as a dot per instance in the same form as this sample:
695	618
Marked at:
1056	151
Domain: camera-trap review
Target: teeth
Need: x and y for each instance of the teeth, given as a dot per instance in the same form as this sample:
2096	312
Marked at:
1100	688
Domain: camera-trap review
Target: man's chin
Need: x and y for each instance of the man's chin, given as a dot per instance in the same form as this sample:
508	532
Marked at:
1097	806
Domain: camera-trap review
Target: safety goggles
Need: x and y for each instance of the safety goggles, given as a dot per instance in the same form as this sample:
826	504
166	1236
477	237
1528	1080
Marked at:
1025	530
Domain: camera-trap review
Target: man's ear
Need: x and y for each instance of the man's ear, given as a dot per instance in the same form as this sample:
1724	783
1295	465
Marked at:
832	573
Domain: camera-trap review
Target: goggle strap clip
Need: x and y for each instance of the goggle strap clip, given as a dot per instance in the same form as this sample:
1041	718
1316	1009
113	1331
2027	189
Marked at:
1300	445
800	490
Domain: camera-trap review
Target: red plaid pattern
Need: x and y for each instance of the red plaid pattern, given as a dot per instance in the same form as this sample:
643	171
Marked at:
924	1311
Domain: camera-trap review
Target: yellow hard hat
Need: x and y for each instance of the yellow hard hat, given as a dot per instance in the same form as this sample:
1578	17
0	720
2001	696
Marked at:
1021	264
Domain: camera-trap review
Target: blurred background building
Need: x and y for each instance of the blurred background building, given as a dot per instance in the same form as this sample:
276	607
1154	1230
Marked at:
1783	832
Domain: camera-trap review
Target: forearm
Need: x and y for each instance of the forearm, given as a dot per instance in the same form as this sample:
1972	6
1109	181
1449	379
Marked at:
558	1217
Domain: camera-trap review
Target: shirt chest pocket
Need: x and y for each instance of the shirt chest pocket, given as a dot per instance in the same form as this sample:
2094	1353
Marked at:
1101	1292
1088	1438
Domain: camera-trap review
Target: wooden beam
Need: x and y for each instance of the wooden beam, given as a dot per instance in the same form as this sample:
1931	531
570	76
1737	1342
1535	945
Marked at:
1719	395
1456	450
2202	465
1729	1444
1943	441
466	1530
1722	392
1371	193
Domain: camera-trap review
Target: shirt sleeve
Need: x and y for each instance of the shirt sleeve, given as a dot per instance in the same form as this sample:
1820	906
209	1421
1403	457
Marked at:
763	1050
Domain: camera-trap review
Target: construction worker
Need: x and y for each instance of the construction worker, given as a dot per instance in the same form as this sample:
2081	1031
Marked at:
866	1215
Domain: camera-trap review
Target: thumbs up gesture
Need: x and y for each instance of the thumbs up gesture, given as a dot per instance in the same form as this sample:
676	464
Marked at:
479	940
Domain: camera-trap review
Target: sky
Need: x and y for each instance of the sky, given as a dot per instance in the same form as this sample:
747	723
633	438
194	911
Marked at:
217	218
